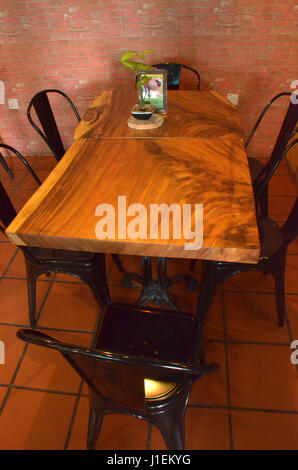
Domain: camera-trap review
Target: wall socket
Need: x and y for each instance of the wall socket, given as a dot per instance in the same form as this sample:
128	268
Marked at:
233	97
13	103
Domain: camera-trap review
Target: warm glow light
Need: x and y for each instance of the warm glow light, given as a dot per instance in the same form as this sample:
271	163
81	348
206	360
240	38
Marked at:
157	389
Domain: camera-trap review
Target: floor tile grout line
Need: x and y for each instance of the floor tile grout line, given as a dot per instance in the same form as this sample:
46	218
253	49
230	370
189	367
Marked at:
89	332
25	176
232	407
44	300
227	369
5	399
72	421
252	343
51	328
18	186
18	278
40	156
190	405
9	264
241	291
42	390
73	416
242	408
37	389
20	361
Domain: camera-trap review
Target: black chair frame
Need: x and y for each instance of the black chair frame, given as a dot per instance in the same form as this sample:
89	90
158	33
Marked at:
174	70
23	160
274	243
115	373
50	134
89	267
287	128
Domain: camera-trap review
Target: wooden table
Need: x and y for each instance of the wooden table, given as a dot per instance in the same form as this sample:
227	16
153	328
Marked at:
197	156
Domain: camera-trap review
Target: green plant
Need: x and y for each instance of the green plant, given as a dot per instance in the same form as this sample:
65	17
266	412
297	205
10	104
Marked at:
126	61
135	66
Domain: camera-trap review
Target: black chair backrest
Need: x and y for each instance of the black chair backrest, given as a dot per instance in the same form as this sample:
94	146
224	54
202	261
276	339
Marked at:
269	169
50	134
118	379
290	227
20	157
284	134
288	127
7	211
174	72
116	376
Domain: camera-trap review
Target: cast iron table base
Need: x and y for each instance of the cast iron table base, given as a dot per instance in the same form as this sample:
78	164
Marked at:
156	290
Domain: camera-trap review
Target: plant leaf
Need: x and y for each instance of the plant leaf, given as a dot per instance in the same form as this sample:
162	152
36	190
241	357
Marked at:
149	51
133	65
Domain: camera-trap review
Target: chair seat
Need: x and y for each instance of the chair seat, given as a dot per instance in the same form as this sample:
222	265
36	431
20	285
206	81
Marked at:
116	334
255	167
60	255
175	344
270	236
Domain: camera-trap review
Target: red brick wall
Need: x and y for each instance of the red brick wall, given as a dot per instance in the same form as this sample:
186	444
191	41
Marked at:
239	46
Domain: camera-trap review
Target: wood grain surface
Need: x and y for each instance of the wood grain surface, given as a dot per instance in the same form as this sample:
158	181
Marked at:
191	114
213	172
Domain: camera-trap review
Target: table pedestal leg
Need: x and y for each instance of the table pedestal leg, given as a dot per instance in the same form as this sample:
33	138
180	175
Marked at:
156	290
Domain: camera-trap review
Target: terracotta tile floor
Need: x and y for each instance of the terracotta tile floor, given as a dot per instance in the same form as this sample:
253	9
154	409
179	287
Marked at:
250	403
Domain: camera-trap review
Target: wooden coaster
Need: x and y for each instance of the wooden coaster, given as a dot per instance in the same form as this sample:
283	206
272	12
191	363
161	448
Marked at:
155	121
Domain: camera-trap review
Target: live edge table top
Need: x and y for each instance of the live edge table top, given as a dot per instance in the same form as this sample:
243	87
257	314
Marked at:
196	157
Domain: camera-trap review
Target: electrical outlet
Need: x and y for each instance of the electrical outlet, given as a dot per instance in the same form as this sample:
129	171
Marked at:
233	97
13	103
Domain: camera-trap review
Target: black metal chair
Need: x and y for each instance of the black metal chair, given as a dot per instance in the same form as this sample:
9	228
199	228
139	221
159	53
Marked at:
43	109
89	267
261	174
51	136
174	72
287	128
274	242
143	362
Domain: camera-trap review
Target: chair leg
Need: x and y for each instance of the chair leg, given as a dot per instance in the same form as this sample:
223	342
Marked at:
96	279
31	286
118	262
32	274
171	425
263	202
96	415
192	264
279	280
211	279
